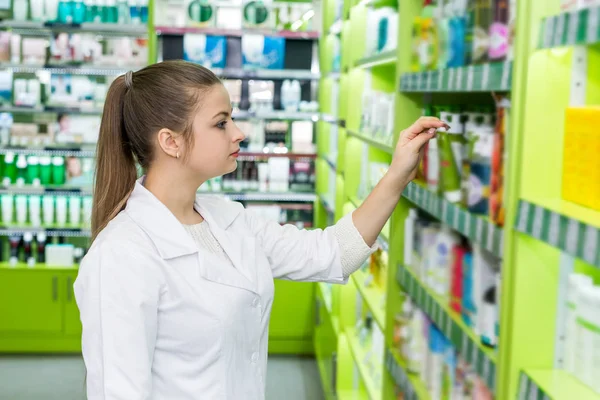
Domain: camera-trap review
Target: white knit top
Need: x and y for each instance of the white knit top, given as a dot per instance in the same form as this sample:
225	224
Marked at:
352	245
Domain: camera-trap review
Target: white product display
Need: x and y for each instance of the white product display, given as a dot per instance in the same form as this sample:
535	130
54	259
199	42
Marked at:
58	255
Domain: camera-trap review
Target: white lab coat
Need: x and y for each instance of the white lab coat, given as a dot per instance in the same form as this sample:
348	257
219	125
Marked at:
165	320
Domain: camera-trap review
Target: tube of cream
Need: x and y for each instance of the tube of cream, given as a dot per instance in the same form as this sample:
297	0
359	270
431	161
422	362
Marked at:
41	247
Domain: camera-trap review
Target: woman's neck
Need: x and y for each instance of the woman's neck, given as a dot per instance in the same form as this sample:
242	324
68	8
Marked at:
176	194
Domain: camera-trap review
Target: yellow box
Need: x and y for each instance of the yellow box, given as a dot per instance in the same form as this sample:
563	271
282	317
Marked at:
581	157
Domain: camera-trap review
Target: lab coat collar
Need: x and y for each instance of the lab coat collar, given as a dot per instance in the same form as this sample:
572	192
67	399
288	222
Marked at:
168	234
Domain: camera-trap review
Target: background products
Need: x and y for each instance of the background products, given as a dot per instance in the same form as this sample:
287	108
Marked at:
263	51
208	51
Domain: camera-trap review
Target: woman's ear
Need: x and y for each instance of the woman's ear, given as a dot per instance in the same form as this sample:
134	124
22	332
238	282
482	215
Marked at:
168	141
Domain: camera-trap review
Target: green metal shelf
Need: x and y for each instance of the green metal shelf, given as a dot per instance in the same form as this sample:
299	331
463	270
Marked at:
579	27
552	385
90	70
477	228
487	77
384	58
359	355
52	110
372	141
561	224
374	296
83	152
297	35
451	324
56	190
412	386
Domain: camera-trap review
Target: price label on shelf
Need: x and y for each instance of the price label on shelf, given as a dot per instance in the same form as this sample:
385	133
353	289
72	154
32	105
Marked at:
523	387
572	27
479	231
506	66
533	391
470	77
560	29
590	244
548	31
444	210
538	222
490	237
451	78
429	79
441	79
592	25
456	218
572	236
554	229
459	79
448	326
465	346
485	81
419	81
523	216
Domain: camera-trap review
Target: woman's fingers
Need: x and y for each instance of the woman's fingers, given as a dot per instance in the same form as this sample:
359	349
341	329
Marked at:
421	125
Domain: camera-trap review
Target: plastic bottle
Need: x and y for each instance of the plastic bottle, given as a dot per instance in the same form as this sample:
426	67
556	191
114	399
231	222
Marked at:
36	10
20	9
445	243
286	94
576	283
21	170
110	12
297	94
79	11
10	169
451	152
433	165
143	10
123	10
480	170
409	235
65	12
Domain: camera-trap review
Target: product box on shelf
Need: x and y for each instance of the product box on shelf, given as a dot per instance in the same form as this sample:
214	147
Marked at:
263	51
208	51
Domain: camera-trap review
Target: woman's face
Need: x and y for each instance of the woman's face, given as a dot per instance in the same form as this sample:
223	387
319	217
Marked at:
216	137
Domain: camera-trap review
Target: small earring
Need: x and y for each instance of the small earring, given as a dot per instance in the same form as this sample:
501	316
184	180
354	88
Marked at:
178	155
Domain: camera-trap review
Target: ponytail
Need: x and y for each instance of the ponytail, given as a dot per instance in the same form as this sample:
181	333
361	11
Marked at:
116	170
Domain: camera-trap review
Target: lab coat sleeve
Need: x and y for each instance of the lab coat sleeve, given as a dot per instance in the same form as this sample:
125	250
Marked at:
117	292
329	255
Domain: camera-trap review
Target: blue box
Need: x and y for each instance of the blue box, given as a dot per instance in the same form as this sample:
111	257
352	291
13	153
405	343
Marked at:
263	52
209	51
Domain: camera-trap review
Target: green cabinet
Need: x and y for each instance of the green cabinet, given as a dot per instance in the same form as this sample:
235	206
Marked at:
38	312
71	312
30	301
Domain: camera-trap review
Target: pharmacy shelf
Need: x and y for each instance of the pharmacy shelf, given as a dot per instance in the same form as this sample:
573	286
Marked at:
373	295
579	27
251	156
279	115
70	70
37	266
359	356
51	110
377	60
56	190
176	31
477	228
330	162
265	196
567	226
466	342
372	141
487	77
40	28
51	152
553	385
241	73
66	231
410	384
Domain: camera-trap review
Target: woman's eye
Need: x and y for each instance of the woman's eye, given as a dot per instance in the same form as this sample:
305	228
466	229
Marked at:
221	125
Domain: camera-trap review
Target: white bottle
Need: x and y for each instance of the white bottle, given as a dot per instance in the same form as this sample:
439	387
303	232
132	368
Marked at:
51	10
37	10
433	166
576	283
20	10
286	89
446	240
409	236
296	95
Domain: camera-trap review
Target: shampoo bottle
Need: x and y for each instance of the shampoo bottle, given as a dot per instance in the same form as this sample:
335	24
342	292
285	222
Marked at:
433	165
451	152
480	170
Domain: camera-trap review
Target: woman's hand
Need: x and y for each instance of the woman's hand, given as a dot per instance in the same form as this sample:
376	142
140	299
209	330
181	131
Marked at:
371	216
409	150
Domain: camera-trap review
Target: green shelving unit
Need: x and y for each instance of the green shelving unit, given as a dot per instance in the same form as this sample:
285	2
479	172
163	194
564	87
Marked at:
543	237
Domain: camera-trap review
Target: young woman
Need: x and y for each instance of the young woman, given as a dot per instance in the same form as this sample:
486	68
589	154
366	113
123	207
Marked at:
176	291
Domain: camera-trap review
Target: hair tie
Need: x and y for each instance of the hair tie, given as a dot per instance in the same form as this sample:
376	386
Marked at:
129	79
